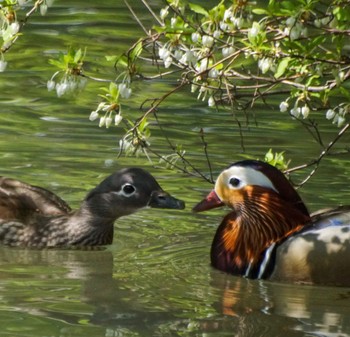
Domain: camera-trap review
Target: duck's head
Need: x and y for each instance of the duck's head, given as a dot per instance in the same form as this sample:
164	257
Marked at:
265	210
241	180
128	190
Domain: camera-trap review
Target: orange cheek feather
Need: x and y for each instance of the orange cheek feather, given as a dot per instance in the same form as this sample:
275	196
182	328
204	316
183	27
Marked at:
230	197
258	221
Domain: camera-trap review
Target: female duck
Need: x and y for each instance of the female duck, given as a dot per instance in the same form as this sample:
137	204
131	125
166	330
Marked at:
270	234
32	216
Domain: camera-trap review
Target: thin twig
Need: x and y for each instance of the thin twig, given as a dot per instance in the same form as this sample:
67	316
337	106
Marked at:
205	148
317	161
95	78
196	173
151	11
136	17
35	7
157	102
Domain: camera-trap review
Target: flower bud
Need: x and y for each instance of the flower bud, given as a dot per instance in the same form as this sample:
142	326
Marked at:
163	13
330	114
211	101
108	122
284	106
51	85
93	115
117	119
207	41
195	37
216	34
3	65
305	110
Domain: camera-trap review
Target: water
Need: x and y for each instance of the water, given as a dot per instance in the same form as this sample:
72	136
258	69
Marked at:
155	279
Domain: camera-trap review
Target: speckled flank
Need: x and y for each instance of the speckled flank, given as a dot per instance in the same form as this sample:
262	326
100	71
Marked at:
318	255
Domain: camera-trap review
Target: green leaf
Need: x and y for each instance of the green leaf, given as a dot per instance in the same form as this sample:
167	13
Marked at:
290	5
111	58
143	125
276	159
260	11
57	64
282	66
136	51
159	29
313	80
122	61
198	9
113	90
269	156
103	96
77	56
315	43
342	13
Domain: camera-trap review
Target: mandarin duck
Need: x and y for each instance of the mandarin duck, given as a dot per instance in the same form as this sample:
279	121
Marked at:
269	233
32	216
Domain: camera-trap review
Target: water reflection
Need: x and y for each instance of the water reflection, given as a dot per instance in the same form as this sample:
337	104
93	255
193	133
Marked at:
279	307
45	284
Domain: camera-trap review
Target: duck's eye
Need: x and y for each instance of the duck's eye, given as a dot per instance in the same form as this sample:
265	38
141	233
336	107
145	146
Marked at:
234	182
128	189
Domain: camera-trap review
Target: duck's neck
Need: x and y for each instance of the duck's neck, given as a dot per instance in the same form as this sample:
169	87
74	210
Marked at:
257	222
90	228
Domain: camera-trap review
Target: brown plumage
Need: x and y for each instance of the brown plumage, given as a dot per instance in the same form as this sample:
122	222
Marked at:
34	217
22	201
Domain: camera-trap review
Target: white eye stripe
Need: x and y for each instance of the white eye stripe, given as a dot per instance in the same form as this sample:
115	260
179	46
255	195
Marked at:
237	177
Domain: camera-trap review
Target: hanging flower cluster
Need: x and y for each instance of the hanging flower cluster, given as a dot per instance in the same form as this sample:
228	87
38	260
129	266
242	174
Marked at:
10	26
67	84
8	32
70	78
110	109
338	114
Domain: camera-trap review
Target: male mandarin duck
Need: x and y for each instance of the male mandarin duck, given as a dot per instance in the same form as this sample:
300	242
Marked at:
269	234
31	216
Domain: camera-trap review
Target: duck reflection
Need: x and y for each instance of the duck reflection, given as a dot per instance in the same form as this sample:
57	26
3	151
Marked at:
56	279
71	287
319	311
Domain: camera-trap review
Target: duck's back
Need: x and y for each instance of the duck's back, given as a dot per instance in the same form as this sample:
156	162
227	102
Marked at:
318	254
22	201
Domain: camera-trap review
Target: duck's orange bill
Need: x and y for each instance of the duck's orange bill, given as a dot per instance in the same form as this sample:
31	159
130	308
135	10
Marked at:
210	201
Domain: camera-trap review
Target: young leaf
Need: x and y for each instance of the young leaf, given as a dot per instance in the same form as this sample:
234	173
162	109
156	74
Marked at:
260	11
136	51
77	56
198	9
282	66
111	58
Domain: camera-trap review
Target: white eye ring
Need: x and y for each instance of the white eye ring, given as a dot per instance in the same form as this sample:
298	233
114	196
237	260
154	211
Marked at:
127	190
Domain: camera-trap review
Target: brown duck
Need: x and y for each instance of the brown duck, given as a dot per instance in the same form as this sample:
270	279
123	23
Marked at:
32	216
